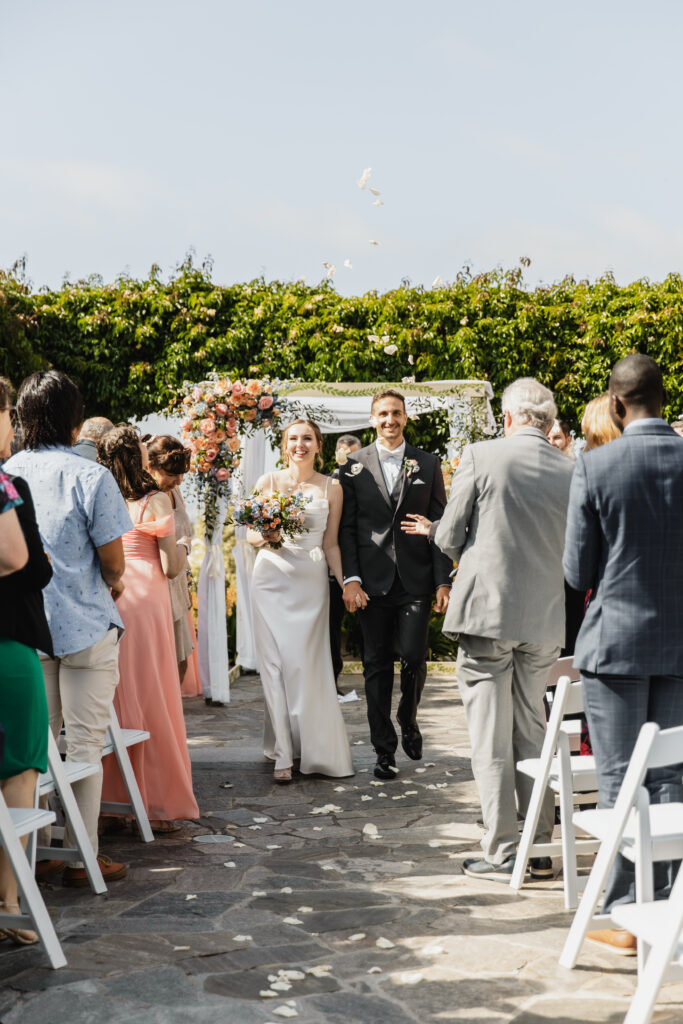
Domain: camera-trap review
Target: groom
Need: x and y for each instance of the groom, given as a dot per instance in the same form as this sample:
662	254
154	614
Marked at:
390	576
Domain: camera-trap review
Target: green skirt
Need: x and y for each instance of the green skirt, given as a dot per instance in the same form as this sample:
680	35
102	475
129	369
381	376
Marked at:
23	709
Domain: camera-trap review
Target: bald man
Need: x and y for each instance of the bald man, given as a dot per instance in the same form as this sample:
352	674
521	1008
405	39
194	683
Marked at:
624	542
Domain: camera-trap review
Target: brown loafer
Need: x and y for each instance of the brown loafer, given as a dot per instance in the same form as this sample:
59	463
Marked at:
49	868
77	878
617	939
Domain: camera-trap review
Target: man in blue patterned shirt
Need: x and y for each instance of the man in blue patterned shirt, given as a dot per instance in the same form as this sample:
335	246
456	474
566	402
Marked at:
82	517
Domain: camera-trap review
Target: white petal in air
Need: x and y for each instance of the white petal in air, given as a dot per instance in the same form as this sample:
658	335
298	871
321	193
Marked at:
373	242
365	177
411	359
331	272
375	191
348	264
437	281
390	350
378	202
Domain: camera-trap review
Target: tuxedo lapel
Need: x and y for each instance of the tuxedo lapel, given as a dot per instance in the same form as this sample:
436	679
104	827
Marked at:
404	479
375	468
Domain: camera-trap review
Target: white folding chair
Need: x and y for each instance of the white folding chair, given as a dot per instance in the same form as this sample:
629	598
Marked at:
659	925
569	777
117	742
640	832
16	822
59	778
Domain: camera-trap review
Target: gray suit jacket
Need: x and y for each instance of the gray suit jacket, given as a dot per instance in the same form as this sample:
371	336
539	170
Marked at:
504	524
625	541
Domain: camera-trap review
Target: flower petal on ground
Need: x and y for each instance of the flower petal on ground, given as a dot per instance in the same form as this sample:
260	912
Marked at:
384	943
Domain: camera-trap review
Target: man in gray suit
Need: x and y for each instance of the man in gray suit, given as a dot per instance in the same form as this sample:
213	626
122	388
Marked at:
625	543
504	524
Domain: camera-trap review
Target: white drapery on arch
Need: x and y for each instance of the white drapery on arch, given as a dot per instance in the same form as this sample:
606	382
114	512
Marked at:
340	409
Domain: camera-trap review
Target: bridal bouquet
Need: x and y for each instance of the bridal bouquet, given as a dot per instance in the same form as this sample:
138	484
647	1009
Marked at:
267	512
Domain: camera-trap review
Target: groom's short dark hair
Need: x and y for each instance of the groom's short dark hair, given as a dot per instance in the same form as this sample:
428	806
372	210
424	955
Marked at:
388	393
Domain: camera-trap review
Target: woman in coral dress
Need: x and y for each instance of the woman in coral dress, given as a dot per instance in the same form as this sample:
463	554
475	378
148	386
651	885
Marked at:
148	695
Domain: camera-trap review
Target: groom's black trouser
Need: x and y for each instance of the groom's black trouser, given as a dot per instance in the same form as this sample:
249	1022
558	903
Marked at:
398	621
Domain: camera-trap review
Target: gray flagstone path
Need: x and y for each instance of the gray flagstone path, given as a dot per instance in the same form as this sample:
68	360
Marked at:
343	899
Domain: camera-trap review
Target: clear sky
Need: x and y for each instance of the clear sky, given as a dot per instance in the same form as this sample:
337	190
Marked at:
134	130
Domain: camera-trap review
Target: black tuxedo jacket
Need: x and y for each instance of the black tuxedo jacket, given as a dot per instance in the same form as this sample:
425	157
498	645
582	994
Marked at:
373	546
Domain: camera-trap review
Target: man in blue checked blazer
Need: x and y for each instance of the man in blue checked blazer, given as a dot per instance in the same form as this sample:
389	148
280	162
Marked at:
624	542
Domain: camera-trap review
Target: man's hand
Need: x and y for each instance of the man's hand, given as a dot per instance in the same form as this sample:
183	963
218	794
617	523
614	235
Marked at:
354	596
272	536
443	595
117	589
419	526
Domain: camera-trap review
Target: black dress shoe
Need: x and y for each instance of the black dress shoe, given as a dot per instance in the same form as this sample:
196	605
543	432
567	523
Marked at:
411	741
385	767
541	867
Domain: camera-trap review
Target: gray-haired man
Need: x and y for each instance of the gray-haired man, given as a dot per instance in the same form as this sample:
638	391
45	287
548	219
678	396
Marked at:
504	524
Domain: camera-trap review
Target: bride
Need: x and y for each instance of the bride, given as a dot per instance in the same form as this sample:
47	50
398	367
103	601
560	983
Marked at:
290	598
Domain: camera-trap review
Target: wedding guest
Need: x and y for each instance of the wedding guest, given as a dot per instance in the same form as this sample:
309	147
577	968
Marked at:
148	696
677	425
169	460
625	543
23	704
560	437
597	425
346	445
92	431
81	517
504	524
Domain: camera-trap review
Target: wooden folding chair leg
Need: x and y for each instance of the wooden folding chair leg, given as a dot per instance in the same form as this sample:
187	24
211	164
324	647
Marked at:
74	819
37	914
130	782
569	866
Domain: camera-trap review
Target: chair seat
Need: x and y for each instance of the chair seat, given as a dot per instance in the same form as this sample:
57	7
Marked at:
666	827
584	777
74	770
29	819
130	738
646	921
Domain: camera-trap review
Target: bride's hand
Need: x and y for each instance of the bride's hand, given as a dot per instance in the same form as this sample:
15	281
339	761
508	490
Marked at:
271	536
420	525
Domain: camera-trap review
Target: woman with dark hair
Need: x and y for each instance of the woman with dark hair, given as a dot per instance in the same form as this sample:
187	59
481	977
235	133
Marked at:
290	598
148	696
23	627
169	460
82	517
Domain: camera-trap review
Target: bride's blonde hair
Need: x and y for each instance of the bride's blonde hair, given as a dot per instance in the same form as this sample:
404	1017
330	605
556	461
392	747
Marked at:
318	461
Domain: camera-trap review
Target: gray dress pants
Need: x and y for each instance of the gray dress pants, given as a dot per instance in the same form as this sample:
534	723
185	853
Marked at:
502	684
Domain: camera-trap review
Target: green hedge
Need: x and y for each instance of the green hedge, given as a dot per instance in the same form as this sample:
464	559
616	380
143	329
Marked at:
130	344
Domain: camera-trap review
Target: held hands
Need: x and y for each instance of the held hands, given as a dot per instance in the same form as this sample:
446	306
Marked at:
443	595
117	589
419	526
354	596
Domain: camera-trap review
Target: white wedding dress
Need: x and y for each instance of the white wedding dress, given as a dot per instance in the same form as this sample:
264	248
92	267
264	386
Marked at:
290	609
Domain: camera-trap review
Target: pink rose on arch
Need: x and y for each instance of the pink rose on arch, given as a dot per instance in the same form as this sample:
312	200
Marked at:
265	402
187	423
234	444
207	426
222	474
231	425
218	436
196	394
211	454
221	408
238	388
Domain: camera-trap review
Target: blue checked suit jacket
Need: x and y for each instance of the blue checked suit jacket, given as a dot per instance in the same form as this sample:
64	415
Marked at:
625	541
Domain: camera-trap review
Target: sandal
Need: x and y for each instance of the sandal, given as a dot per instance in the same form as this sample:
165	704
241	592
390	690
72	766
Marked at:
282	775
19	936
164	827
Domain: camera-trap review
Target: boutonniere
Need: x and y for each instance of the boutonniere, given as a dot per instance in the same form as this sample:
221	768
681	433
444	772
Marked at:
356	468
411	466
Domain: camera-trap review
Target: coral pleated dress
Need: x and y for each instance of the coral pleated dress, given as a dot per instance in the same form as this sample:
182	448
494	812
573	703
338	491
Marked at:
148	695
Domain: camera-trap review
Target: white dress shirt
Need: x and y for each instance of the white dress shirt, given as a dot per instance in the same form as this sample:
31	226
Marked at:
391	461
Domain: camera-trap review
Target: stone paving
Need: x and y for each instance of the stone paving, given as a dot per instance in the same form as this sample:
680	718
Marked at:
342	900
